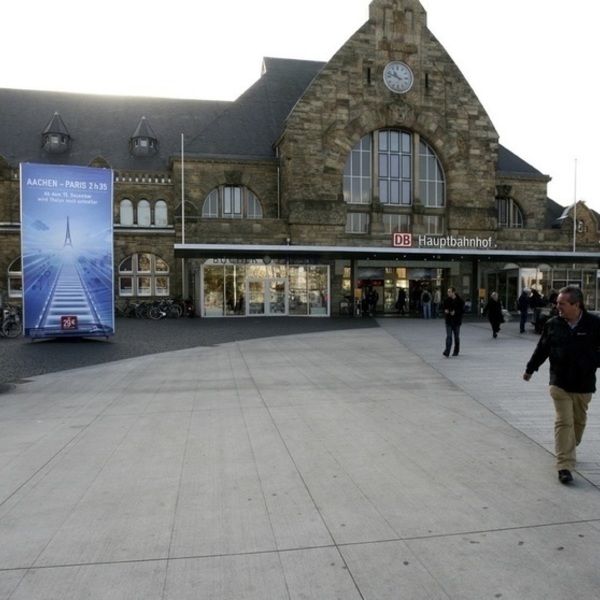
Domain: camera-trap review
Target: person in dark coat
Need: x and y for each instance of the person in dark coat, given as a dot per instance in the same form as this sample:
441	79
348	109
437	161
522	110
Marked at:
493	310
453	307
523	307
571	341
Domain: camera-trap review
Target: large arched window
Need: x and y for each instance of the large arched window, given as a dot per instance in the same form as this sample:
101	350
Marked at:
389	165
392	176
232	202
509	213
143	274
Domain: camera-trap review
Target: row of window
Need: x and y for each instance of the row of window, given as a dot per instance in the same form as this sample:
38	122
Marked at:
388	164
141	274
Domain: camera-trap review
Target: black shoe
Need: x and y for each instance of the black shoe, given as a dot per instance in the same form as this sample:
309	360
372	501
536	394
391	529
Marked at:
446	353
455	354
495	334
564	476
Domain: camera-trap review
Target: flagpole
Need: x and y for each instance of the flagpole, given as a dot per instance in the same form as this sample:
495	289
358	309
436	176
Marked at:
575	208
183	274
182	195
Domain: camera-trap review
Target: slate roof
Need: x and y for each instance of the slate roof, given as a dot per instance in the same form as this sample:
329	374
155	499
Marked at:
103	125
99	126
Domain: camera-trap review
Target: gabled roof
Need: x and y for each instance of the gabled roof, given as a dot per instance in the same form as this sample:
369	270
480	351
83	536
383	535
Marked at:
509	163
100	125
252	124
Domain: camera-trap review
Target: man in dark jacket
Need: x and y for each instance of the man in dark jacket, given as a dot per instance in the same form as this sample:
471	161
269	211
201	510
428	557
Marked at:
453	307
571	340
523	306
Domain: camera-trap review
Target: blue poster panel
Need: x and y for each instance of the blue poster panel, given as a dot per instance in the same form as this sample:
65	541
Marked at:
67	251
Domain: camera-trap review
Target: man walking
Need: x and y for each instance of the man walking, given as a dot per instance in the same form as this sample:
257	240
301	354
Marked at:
453	307
571	340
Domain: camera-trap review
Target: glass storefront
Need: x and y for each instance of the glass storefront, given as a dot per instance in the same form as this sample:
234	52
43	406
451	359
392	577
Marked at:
229	288
545	279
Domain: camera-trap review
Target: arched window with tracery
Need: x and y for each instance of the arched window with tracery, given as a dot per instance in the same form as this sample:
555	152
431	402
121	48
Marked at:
509	213
389	164
232	202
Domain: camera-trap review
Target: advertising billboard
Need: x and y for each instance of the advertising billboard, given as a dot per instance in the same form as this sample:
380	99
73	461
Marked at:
67	251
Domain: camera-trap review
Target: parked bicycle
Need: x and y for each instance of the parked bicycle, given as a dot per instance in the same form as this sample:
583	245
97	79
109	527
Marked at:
166	309
12	325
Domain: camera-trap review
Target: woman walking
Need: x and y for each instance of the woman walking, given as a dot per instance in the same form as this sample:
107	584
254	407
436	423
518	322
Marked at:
493	310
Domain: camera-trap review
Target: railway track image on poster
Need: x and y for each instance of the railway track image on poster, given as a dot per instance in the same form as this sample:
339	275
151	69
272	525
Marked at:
67	251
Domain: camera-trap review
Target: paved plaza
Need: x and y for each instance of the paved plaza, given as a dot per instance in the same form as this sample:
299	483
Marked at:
353	463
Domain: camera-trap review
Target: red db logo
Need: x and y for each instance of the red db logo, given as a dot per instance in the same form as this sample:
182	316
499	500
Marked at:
402	240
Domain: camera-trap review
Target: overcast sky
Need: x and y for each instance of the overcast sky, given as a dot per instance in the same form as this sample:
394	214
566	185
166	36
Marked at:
529	61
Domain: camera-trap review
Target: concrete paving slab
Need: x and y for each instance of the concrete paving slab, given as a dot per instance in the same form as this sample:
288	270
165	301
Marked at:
356	463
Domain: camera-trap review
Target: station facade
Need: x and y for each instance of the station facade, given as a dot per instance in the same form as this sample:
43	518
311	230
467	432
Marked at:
379	169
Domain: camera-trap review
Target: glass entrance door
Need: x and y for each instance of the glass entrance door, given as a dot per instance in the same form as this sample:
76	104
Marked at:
266	297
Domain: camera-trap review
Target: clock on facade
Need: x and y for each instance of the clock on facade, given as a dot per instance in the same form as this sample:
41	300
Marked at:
398	76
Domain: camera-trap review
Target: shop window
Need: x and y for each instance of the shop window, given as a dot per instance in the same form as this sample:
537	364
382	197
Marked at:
232	202
394	181
15	279
509	213
357	222
143	274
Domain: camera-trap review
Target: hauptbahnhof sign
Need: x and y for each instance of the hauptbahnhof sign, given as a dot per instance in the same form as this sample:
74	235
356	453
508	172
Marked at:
406	240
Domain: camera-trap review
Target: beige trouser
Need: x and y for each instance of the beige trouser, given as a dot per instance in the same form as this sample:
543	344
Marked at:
569	423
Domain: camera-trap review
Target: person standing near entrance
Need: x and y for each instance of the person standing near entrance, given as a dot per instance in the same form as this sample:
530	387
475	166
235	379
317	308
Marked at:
493	310
372	298
571	340
401	302
453	307
523	308
437	303
426	299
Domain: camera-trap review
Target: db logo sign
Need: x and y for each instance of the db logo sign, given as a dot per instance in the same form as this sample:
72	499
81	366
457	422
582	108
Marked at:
68	322
402	240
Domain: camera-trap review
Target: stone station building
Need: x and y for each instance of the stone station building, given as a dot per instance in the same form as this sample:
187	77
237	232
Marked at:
379	169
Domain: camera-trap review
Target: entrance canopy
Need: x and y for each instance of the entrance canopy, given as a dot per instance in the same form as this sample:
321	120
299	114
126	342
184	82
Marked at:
267	252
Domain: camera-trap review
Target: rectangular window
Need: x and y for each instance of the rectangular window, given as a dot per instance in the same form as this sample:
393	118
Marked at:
144	286
357	223
162	286
15	287
232	202
357	174
396	223
125	286
433	225
431	178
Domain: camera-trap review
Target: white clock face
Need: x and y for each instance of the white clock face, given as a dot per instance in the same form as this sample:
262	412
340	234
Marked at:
398	77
